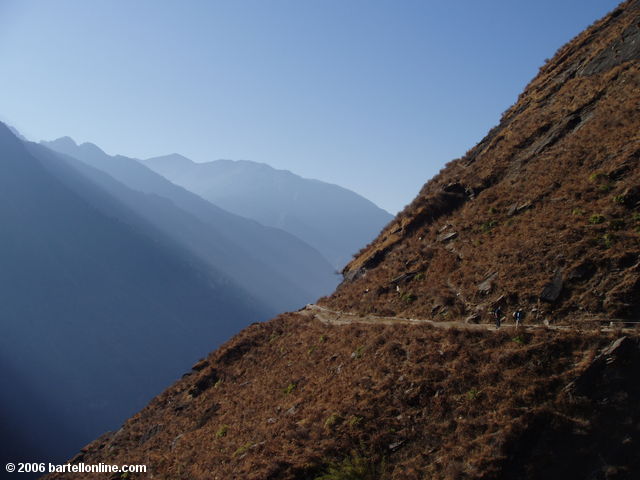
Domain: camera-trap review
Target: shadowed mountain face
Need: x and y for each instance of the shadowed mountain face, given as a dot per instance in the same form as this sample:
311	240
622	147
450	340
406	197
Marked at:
276	267
334	220
98	308
542	215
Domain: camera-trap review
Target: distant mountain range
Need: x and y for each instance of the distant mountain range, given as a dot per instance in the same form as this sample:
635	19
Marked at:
276	267
334	220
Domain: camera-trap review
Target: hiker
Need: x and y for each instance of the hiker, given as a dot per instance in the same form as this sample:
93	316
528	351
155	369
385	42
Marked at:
497	313
517	316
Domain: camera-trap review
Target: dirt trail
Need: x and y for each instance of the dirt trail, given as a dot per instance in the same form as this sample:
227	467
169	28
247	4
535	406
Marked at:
332	317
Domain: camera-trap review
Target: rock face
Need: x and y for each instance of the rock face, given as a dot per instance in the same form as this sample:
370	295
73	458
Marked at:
299	398
552	290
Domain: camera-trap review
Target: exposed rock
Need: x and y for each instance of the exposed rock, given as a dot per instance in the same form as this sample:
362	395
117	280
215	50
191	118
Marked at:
351	275
200	364
624	49
203	383
631	197
516	208
487	285
291	411
606	368
473	318
405	277
618	347
581	272
396	445
445	237
551	291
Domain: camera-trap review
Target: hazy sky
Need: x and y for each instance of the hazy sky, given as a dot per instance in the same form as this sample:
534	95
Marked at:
374	95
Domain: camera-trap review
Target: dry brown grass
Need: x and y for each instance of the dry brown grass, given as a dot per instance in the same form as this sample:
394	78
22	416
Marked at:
423	402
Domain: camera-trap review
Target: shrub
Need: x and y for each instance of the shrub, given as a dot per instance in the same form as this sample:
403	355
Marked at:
409	297
222	431
488	226
598	177
332	420
356	467
608	239
242	449
354	420
473	394
596	219
289	388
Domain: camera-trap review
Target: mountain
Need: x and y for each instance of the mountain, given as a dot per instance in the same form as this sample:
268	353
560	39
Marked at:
274	266
98	311
401	373
332	219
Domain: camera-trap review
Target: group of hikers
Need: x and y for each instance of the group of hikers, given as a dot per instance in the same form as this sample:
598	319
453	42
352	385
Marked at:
518	316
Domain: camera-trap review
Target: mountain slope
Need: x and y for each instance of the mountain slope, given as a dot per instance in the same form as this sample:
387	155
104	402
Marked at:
97	314
542	215
334	220
278	268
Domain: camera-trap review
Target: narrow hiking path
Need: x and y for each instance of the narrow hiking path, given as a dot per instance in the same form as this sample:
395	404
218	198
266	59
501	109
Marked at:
332	317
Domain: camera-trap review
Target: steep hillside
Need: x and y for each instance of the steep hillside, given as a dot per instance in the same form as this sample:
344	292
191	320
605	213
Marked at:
97	314
296	399
399	374
542	213
334	220
274	266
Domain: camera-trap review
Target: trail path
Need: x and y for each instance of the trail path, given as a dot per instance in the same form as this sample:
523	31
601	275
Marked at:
332	317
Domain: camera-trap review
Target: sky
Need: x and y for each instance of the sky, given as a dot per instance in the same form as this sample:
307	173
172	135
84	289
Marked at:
373	95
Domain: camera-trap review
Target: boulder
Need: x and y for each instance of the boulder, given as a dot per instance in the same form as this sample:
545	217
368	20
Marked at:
551	291
487	284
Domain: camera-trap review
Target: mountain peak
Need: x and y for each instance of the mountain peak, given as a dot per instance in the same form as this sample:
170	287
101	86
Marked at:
62	142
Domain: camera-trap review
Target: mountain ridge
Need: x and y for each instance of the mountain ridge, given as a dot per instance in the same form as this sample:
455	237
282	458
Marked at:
306	208
267	262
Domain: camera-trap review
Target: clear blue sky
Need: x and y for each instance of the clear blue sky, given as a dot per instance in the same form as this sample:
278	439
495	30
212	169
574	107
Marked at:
374	95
